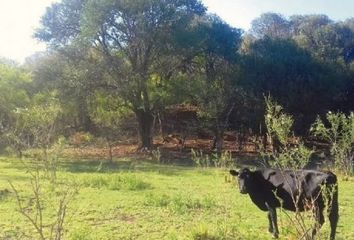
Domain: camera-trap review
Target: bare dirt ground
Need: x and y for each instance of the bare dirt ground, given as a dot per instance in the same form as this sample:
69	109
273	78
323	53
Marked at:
172	151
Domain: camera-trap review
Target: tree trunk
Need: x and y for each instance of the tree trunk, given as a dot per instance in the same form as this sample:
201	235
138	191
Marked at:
218	140
221	124
110	151
145	128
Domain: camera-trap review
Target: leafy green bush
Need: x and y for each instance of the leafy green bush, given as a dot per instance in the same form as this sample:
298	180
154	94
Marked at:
339	133
200	159
157	200
156	155
286	153
81	139
224	160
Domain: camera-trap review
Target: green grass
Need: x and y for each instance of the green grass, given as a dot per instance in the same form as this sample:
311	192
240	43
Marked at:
140	200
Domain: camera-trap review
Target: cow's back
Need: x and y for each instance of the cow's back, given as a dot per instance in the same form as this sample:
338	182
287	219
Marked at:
294	185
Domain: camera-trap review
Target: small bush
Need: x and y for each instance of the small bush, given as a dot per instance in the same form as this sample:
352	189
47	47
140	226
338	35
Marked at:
202	232
157	200
200	159
205	161
285	152
339	133
156	155
81	139
4	194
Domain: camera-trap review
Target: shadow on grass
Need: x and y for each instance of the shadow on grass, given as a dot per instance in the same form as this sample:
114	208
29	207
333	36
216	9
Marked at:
102	166
121	165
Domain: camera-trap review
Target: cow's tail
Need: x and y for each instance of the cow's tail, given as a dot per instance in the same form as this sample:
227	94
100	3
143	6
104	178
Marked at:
333	215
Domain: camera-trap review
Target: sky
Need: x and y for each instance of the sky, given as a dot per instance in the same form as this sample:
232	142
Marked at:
19	18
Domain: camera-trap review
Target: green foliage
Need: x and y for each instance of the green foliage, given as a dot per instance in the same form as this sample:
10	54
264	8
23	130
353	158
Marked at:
339	133
202	160
35	209
14	84
108	110
285	153
13	93
271	25
278	123
133	54
40	118
224	160
156	155
81	139
293	158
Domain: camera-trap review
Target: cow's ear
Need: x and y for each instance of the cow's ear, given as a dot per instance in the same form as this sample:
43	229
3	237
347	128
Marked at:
233	173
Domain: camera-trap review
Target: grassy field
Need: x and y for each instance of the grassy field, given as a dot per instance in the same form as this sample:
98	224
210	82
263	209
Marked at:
141	200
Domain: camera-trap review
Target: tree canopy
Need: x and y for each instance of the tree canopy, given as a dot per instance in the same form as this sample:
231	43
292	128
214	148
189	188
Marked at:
141	57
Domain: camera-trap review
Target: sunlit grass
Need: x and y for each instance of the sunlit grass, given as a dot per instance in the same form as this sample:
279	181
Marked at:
141	200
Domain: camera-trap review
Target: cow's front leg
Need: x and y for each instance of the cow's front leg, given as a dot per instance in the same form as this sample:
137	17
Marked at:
270	228
273	225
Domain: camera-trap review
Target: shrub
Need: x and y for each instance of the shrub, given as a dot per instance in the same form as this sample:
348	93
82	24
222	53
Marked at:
286	153
339	133
224	160
81	138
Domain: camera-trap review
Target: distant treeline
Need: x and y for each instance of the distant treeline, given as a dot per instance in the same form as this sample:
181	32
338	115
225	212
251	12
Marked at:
113	66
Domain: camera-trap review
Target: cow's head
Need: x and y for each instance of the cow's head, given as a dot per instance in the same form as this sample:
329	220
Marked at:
244	179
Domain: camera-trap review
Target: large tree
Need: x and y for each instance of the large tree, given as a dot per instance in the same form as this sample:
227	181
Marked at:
14	94
134	36
302	84
218	75
271	25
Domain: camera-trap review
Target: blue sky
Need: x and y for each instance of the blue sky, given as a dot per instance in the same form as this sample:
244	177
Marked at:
19	18
240	13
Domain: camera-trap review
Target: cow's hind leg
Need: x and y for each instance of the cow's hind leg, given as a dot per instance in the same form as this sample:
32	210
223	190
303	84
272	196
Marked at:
333	211
319	218
273	225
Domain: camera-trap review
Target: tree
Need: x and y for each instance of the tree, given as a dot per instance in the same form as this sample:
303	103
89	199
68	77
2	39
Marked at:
129	34
338	131
306	25
327	40
218	76
14	94
72	73
333	43
270	25
295	79
109	113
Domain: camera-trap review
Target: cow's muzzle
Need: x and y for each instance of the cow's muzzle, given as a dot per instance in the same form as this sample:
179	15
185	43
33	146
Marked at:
243	190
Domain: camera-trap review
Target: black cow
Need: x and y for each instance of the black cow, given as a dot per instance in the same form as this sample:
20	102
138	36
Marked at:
298	190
